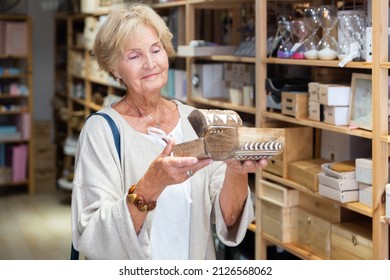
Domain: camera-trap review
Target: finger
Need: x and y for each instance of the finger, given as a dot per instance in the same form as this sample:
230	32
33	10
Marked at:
181	162
200	164
169	147
263	163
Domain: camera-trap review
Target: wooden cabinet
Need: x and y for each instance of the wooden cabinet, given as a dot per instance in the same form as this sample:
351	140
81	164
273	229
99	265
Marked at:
16	103
378	68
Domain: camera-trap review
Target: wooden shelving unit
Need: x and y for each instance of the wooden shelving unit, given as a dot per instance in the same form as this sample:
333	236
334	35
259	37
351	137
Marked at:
77	82
17	106
378	136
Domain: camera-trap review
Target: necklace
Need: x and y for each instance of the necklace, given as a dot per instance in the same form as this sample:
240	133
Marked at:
140	114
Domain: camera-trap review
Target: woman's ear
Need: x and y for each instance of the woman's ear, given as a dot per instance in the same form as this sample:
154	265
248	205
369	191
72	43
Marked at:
116	74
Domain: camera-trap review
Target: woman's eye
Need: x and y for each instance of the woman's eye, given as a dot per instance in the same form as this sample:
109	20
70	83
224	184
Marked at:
156	49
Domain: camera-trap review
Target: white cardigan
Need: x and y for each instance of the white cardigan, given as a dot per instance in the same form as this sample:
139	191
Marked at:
101	223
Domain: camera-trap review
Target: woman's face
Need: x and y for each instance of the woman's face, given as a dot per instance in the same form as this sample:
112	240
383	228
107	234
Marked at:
144	65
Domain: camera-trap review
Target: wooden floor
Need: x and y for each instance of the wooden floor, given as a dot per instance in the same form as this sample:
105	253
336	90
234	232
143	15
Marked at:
35	227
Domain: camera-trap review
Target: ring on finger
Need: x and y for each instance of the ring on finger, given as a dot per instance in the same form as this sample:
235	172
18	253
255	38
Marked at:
189	173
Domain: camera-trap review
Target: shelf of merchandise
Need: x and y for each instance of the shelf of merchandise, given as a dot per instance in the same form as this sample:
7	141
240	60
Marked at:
379	135
25	63
77	73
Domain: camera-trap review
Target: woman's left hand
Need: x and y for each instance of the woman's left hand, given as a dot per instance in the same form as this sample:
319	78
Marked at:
244	167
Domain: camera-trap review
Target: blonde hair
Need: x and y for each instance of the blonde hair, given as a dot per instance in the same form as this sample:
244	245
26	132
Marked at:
119	27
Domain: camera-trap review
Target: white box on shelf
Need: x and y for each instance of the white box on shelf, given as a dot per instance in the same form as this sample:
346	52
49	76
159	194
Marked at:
341	196
207	81
336	115
364	170
339	147
187	50
334	94
236	96
248	96
338	183
365	194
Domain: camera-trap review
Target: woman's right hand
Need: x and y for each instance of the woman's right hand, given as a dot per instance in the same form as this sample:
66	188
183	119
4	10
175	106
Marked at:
166	170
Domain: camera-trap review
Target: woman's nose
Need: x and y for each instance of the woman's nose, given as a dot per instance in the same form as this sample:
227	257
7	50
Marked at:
148	62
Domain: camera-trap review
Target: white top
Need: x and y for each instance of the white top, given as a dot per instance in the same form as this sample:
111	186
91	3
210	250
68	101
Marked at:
102	227
170	230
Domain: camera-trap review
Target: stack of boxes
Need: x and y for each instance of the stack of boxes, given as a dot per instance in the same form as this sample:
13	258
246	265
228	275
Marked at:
335	99
329	103
277	203
364	179
239	79
315	109
339	185
44	157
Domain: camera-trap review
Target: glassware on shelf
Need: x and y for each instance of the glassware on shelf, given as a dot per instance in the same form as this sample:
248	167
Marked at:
285	32
301	31
360	32
328	46
352	29
310	19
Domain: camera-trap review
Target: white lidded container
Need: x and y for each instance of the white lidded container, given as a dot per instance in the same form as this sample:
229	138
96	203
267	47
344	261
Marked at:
364	170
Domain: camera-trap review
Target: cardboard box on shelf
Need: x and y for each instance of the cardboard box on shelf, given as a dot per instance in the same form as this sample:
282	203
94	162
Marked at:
295	104
339	195
315	111
364	170
336	115
365	194
334	94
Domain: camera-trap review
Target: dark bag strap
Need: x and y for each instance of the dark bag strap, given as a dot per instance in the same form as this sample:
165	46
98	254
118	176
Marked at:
74	254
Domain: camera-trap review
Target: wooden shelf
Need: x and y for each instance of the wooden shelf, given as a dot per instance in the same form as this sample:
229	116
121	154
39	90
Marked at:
354	206
223	104
317	63
225	58
292	248
320	125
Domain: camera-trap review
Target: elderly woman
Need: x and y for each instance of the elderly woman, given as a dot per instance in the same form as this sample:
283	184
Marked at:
148	204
